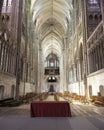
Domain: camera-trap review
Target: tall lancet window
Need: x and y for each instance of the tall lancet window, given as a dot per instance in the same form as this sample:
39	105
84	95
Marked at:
93	1
6	4
9	2
94	4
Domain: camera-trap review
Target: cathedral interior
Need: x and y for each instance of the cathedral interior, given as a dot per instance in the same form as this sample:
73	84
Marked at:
52	50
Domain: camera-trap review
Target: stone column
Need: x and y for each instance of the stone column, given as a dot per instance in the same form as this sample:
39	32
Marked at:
101	54
62	71
78	70
74	72
24	75
79	74
40	68
71	75
84	19
18	49
35	60
91	61
94	60
4	58
96	57
91	64
99	58
29	72
101	47
65	63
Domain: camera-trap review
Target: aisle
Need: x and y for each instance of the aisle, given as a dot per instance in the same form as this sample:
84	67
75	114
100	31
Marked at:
84	117
50	98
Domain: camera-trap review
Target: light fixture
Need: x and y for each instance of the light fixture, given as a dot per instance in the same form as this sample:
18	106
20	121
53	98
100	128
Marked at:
53	78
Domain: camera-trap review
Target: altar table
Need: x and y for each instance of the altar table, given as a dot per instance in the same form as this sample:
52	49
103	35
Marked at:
50	109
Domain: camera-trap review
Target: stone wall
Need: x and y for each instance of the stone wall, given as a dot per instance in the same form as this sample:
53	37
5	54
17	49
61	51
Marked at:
26	88
95	84
7	82
77	87
96	80
8	89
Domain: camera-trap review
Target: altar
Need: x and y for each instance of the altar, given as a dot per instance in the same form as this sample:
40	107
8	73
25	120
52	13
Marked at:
50	109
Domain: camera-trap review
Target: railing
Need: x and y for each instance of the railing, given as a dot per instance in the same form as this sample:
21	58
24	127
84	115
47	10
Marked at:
52	71
97	34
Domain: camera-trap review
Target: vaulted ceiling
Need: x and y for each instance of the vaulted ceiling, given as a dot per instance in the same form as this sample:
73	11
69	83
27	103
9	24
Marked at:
51	18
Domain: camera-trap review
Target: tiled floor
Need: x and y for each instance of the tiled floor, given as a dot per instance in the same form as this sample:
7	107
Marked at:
84	117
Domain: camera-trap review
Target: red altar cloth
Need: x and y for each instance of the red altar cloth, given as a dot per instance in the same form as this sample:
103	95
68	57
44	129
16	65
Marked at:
50	109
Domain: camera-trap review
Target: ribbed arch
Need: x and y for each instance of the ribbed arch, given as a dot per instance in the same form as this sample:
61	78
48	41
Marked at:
51	44
51	18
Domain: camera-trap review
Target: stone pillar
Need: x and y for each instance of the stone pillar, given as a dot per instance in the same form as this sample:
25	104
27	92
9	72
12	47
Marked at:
89	62
96	57
74	71
78	70
3	62
62	72
18	49
101	54
35	60
24	75
101	50
40	69
99	58
71	75
29	72
93	60
65	63
6	63
79	74
84	27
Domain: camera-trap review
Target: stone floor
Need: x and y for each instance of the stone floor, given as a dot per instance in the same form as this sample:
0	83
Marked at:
82	115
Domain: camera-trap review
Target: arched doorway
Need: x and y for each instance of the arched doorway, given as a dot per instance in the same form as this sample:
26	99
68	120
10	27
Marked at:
51	89
52	80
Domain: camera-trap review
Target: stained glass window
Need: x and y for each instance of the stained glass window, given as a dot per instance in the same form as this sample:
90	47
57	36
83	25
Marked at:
93	1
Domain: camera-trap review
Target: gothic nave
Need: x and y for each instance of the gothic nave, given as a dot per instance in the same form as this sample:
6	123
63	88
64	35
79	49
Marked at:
52	50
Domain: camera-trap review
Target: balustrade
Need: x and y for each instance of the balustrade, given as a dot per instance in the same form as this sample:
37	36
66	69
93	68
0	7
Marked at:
95	49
